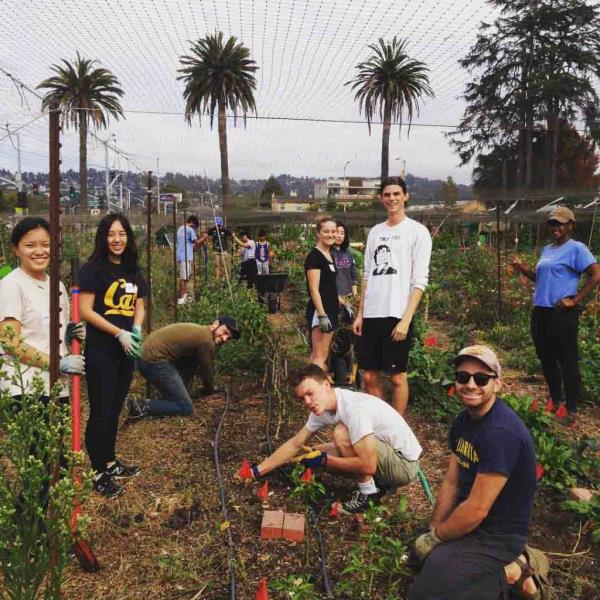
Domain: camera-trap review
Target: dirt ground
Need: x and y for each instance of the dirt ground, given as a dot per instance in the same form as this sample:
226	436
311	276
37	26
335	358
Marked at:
165	537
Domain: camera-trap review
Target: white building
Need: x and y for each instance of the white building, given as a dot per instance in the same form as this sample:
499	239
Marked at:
348	189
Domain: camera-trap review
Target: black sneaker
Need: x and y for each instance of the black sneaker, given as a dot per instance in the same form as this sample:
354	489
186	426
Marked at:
121	471
359	502
107	486
136	409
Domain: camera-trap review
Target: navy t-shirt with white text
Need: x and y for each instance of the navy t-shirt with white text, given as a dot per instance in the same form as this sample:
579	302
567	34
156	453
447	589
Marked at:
498	442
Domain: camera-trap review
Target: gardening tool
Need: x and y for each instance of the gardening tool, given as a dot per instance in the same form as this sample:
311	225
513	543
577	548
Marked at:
81	548
426	487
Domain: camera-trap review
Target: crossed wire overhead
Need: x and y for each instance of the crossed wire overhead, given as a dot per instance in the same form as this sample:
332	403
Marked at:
305	49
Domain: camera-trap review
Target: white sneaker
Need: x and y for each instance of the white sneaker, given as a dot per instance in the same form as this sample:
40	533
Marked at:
182	300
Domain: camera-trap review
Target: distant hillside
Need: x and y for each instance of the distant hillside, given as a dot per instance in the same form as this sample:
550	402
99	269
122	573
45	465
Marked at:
422	190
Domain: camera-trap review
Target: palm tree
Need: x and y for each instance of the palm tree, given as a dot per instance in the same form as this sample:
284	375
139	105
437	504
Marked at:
85	95
219	76
391	83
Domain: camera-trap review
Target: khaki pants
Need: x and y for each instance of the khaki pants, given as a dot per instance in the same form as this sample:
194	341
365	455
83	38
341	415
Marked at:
393	468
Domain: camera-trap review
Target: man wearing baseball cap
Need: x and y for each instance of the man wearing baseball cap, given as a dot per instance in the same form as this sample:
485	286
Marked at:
475	548
172	355
556	301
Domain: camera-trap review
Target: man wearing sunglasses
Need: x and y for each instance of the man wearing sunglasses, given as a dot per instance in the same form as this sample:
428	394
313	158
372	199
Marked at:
481	518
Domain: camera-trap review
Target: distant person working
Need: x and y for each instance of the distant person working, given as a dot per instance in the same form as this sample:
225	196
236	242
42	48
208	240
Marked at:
187	240
262	253
248	268
221	240
172	356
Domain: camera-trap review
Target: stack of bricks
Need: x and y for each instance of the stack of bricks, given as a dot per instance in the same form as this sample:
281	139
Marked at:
277	524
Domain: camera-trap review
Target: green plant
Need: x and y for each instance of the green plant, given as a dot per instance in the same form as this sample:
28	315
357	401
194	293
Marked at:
306	488
589	511
37	490
296	587
379	561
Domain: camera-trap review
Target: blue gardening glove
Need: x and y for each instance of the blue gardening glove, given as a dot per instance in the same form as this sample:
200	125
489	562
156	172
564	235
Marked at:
426	542
130	345
73	364
325	325
255	471
311	458
75	331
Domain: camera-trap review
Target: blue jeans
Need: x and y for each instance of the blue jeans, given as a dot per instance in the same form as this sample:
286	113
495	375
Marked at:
172	383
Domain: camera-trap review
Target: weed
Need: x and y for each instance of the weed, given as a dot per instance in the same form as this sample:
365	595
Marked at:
589	511
307	489
296	587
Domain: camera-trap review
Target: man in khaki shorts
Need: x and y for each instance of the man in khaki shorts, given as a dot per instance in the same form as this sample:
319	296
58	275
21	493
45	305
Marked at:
371	442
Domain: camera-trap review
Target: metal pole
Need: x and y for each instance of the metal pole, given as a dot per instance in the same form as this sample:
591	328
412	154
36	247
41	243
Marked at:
158	189
54	210
175	295
106	174
498	263
19	177
149	251
185	256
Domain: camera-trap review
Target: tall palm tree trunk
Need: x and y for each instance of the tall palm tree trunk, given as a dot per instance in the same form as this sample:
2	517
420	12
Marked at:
83	186
224	158
385	141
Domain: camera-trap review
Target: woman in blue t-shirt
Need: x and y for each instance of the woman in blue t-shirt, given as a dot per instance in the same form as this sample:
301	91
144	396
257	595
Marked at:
112	304
555	317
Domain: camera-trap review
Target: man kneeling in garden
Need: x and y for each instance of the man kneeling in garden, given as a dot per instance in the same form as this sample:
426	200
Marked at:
371	441
172	355
476	548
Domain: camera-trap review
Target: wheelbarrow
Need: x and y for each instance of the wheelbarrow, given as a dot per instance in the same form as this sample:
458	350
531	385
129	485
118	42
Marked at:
269	288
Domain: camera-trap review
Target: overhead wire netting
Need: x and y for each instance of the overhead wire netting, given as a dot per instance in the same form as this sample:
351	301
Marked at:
306	50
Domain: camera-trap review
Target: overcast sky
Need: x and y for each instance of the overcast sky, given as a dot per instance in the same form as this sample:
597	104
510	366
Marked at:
305	49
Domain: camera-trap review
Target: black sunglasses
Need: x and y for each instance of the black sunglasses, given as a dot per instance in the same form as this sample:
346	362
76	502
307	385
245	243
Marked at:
480	379
556	224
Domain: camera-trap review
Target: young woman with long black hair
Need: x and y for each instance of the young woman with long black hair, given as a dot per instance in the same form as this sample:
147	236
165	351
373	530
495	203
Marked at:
112	303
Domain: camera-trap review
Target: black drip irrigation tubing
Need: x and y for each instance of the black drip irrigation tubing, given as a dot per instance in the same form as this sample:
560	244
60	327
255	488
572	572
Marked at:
230	555
312	514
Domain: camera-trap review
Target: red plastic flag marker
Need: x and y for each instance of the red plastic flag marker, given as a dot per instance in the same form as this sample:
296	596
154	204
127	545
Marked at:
562	411
335	509
430	342
451	391
307	476
245	471
549	406
263	492
539	471
262	593
534	407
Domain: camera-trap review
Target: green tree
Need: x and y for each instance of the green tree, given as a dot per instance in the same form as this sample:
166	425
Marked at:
447	193
219	75
272	186
535	68
85	95
390	83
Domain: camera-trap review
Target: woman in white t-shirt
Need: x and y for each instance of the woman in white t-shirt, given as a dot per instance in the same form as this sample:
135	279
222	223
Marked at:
25	315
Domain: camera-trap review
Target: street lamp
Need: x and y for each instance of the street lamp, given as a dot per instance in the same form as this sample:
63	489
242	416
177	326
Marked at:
403	167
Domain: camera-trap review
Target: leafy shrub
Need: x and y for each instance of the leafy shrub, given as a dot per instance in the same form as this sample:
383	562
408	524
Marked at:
37	490
589	511
296	587
379	561
248	353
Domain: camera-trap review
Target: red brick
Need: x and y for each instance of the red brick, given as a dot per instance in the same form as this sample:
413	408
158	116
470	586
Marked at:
293	527
580	494
272	525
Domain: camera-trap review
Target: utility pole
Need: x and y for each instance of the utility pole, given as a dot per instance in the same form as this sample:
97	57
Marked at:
54	202
106	173
19	177
149	253
157	188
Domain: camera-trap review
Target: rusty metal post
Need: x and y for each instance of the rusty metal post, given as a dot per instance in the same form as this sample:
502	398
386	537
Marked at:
149	252
55	243
175	282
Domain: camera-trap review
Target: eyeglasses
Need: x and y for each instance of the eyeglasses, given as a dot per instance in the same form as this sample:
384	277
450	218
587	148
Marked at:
480	379
555	224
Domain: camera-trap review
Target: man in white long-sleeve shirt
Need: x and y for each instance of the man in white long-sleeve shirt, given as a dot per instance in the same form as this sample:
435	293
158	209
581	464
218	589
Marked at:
395	276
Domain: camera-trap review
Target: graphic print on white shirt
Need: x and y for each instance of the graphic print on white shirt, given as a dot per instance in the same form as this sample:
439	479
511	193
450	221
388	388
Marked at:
383	261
